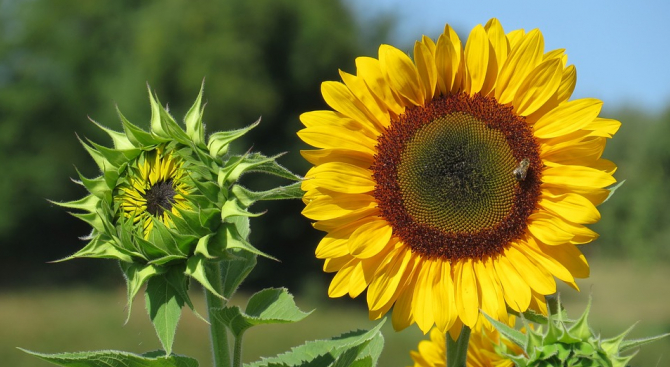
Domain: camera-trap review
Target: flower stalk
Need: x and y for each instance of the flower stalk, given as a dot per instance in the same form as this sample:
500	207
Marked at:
457	350
217	330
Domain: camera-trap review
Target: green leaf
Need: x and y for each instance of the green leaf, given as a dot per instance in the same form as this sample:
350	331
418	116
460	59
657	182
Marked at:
325	353
234	271
113	358
218	142
580	329
269	306
100	248
247	197
235	241
96	186
195	268
164	305
136	275
193	120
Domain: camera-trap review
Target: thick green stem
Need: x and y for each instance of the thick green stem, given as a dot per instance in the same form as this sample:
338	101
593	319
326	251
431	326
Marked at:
457	351
237	351
217	330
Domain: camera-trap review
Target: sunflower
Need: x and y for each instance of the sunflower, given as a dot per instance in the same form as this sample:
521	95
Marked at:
158	185
486	349
458	181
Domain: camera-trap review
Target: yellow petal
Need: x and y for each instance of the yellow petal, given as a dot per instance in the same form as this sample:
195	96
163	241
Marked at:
402	310
334	264
570	257
330	225
520	62
538	87
467	301
321	156
329	207
447	61
337	119
392	271
496	35
370	70
568	117
370	239
425	65
422	300
515	37
341	99
573	207
331	137
359	88
568	83
516	291
487	288
444	306
547	231
603	127
339	286
477	58
340	177
577	176
401	74
538	278
545	260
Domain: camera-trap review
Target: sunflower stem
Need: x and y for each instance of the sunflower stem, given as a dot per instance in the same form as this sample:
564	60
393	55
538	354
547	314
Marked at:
217	330
237	351
457	350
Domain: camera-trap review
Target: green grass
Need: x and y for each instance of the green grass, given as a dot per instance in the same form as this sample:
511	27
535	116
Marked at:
60	320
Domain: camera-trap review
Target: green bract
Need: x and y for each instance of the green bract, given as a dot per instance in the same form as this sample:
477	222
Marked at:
568	343
167	205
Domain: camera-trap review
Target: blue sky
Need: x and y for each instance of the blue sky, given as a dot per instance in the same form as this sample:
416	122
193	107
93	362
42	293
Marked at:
621	48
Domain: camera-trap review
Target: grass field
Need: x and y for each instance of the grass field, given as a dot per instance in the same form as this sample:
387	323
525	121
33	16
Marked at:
59	320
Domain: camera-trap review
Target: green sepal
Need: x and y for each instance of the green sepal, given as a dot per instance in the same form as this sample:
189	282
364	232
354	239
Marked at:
99	159
269	306
235	270
247	197
232	209
515	336
234	240
100	249
93	219
613	189
195	268
136	275
162	123
180	283
113	358
88	203
119	139
193	120
634	343
164	306
211	191
236	166
325	353
136	135
97	186
117	158
580	330
218	142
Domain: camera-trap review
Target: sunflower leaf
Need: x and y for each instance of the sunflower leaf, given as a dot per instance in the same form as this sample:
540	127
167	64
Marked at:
634	343
235	270
269	306
193	120
113	358
164	305
361	346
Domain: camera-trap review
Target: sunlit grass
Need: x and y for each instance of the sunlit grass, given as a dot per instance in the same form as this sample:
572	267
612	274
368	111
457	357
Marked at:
59	320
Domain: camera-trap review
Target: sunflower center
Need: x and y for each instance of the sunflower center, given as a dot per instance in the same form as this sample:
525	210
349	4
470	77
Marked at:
160	197
454	174
447	179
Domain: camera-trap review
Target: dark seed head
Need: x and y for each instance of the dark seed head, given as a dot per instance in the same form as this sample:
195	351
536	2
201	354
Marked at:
160	198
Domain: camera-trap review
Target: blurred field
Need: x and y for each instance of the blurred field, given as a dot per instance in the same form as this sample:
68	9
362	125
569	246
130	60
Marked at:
59	320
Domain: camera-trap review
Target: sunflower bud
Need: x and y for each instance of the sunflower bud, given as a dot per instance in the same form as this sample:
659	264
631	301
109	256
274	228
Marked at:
167	201
569	343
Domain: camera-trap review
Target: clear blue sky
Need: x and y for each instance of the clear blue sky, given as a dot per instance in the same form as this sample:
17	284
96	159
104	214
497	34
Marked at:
621	48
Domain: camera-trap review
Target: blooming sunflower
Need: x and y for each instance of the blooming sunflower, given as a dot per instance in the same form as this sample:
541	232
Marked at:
486	349
457	181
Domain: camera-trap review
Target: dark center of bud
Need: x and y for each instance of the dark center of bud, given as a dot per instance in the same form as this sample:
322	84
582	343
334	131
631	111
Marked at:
160	197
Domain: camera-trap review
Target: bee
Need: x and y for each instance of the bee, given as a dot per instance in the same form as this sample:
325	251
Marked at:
521	170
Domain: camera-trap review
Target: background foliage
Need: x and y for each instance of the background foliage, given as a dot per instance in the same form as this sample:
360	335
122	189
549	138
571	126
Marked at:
61	61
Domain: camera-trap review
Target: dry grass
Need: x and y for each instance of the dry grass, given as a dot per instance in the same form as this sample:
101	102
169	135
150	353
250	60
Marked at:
58	320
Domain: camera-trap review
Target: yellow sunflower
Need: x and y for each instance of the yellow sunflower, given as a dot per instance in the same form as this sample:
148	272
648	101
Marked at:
457	181
155	188
484	350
